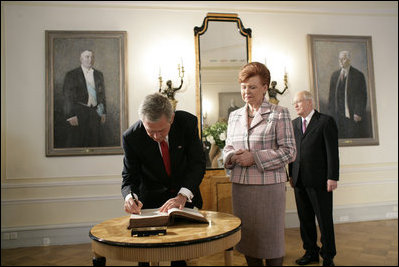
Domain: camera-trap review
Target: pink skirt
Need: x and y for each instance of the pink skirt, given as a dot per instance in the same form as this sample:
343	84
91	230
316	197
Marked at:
261	209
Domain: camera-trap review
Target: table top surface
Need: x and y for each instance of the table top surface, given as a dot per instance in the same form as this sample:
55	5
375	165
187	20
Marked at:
114	232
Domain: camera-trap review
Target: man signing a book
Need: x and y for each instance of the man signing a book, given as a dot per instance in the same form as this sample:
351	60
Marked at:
164	162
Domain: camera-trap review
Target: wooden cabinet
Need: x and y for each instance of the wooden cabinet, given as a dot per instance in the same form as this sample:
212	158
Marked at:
216	191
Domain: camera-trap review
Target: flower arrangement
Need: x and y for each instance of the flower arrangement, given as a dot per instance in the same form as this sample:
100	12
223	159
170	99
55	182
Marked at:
216	133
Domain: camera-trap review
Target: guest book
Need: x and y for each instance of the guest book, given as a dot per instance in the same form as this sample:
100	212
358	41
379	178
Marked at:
154	218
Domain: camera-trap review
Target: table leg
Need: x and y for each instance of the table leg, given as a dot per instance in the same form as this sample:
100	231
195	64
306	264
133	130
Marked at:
228	257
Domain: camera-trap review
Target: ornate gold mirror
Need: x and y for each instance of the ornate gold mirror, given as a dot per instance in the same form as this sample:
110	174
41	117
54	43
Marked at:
222	47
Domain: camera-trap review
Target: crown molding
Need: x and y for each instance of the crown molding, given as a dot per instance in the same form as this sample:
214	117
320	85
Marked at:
369	8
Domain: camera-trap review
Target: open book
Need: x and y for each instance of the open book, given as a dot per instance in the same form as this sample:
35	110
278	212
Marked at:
154	218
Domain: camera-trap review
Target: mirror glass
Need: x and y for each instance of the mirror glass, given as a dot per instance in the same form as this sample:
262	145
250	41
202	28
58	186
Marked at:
222	48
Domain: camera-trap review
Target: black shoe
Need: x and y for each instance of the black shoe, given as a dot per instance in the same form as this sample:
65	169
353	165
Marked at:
308	258
328	262
178	263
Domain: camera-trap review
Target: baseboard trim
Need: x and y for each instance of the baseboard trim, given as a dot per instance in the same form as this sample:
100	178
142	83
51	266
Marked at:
68	234
353	213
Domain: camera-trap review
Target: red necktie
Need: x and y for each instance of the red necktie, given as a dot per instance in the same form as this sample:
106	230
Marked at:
304	126
165	156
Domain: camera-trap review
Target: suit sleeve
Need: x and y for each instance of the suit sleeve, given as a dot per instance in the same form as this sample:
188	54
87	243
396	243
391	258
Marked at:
100	88
131	174
361	94
331	95
195	168
285	151
296	155
68	90
228	150
330	133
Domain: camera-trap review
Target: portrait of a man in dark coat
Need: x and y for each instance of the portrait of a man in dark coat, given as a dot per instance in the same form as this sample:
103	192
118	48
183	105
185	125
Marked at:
347	99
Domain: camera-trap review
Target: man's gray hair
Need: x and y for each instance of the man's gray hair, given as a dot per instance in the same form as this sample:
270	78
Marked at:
154	106
308	96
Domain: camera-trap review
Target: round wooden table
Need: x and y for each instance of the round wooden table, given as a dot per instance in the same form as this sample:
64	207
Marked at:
111	239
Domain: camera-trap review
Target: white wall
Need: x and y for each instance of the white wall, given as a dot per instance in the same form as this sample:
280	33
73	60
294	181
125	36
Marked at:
40	193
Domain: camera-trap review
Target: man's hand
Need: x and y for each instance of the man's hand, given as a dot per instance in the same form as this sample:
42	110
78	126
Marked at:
73	121
103	119
357	118
133	206
176	202
331	185
291	182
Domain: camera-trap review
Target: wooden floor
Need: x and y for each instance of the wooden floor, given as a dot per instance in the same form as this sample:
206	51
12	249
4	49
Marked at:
371	243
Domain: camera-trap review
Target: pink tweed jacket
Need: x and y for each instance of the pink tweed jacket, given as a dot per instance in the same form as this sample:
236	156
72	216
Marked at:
271	140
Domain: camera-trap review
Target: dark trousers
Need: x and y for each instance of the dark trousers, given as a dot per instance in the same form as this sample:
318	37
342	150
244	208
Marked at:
316	203
87	133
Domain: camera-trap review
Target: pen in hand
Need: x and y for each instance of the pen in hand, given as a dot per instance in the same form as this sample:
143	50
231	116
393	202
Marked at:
136	201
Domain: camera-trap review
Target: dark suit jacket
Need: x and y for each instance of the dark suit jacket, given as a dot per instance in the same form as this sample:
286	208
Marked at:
143	169
356	92
75	91
317	152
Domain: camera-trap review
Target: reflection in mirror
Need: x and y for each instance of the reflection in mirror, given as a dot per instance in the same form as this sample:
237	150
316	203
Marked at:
222	46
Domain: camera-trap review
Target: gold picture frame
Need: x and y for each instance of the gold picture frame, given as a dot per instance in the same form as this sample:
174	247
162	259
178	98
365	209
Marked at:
324	51
63	52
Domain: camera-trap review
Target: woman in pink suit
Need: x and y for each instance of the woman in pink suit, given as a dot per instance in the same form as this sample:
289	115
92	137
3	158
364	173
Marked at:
260	143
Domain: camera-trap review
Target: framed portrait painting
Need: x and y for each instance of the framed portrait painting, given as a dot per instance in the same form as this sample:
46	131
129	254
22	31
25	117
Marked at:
86	99
343	85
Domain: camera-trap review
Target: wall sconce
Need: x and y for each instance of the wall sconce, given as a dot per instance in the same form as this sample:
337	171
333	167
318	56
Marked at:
170	91
273	91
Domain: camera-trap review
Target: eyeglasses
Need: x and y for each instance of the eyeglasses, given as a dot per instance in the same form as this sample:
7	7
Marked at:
297	102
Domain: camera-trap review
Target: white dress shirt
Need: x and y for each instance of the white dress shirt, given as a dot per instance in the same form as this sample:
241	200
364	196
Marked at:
89	77
344	73
308	118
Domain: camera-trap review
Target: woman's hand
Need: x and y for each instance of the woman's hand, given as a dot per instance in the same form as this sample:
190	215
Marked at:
243	158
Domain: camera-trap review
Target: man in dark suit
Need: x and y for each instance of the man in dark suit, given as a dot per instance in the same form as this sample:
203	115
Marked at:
348	99
84	95
147	178
314	175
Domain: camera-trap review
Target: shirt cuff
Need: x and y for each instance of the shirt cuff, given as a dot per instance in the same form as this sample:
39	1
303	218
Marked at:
187	193
130	195
71	118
